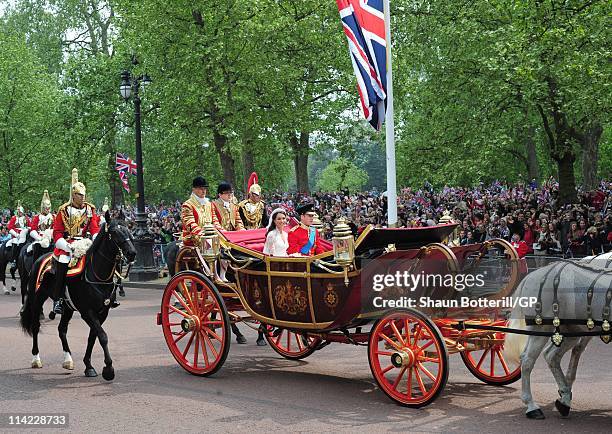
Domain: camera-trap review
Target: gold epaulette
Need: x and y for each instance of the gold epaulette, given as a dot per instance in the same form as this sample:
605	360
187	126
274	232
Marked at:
63	207
242	202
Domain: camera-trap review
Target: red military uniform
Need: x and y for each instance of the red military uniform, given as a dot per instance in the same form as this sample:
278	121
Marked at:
17	224
71	222
298	238
194	215
41	223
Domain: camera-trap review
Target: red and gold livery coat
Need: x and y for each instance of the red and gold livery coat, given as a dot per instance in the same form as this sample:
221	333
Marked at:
71	222
298	238
227	219
194	216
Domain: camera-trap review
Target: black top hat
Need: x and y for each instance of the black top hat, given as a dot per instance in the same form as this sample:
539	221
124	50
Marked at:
304	208
224	187
199	182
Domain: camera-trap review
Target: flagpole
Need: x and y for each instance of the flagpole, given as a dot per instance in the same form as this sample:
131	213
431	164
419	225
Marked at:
390	129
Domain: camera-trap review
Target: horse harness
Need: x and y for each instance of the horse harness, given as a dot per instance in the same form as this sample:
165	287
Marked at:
557	336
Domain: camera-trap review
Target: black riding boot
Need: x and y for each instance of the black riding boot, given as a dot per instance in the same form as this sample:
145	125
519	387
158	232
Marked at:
14	254
58	288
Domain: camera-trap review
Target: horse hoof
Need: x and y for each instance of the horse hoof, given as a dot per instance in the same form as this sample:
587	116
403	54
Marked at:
68	365
261	342
91	372
51	315
535	414
562	408
13	289
108	373
37	364
7	292
241	339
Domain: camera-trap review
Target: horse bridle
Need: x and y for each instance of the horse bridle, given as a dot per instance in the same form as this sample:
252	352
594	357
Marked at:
118	258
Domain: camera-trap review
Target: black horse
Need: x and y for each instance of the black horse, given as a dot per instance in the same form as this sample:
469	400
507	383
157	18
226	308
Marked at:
6	256
91	293
25	261
170	255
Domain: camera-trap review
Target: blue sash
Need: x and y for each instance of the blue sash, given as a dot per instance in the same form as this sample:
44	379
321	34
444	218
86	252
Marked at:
305	250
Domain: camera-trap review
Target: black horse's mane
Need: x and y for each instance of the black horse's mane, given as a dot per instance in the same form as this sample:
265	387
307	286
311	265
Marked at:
98	240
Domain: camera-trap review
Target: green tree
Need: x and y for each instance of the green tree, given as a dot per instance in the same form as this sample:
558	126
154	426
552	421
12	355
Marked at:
342	174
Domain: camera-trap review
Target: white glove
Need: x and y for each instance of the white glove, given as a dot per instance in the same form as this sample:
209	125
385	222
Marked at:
62	244
14	233
35	235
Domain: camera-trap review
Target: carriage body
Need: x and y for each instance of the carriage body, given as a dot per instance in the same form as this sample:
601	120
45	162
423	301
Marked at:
304	303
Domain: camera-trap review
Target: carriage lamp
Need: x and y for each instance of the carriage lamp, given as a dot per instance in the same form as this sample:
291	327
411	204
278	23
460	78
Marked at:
317	224
210	243
344	243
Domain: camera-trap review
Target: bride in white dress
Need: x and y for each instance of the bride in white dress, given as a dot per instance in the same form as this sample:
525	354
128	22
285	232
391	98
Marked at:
276	238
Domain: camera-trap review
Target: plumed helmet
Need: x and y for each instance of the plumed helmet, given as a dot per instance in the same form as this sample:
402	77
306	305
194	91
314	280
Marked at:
19	208
199	182
253	184
224	187
45	203
105	205
76	186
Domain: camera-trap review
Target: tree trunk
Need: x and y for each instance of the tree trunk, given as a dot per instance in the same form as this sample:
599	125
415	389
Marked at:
301	151
567	181
532	157
227	161
590	157
114	183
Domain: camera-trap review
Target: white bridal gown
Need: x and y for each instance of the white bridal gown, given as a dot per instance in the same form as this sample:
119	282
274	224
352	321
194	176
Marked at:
276	243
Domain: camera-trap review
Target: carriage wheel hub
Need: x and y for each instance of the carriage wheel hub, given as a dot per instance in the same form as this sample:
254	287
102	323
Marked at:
188	324
403	358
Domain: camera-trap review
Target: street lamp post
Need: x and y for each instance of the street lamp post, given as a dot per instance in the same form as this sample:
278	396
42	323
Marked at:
144	268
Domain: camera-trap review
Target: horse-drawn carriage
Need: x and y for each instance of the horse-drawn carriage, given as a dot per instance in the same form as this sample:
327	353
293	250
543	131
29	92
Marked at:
305	303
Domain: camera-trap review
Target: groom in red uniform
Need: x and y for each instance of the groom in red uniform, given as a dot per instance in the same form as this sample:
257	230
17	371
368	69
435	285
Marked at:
304	238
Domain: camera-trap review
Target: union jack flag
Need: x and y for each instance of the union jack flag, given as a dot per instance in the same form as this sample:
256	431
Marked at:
364	25
123	163
123	175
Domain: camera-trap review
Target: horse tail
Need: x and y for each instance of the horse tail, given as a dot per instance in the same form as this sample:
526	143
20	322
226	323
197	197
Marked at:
515	343
29	318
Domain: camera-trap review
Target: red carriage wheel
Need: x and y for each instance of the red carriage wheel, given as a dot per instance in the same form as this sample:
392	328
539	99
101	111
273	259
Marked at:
490	365
408	358
195	323
291	345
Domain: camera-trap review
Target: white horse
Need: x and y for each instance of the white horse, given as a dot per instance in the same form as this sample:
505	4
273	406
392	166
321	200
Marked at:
572	280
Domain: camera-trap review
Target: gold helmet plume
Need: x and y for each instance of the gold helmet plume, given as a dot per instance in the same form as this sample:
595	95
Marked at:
19	208
45	203
105	205
75	185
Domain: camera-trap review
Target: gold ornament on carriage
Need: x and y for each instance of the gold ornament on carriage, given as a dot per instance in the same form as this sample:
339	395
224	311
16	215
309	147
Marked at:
557	338
605	325
556	321
209	243
590	323
344	243
317	224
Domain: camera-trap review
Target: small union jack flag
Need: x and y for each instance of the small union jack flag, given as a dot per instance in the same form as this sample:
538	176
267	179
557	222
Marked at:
123	163
364	25
123	175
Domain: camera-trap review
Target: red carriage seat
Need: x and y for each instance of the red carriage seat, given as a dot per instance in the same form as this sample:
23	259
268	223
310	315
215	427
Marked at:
254	239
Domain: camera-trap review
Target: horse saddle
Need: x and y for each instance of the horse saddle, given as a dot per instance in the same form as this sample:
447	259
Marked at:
47	268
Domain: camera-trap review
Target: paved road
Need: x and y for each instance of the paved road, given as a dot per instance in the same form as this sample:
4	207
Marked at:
256	390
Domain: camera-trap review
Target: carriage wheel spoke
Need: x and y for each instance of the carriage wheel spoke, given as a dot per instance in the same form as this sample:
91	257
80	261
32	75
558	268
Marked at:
188	346
399	377
387	369
425	346
407	327
426	371
482	358
503	362
213	334
174	324
288	341
182	302
409	383
397	334
181	335
180	312
299	342
204	349
420	381
428	359
197	350
278	338
211	345
417	335
384	353
492	368
390	341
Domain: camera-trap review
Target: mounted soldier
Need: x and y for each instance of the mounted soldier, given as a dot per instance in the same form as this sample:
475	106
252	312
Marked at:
18	227
41	222
74	221
253	209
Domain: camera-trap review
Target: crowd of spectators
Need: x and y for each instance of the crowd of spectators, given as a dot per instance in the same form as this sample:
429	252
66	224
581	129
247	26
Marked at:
499	210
